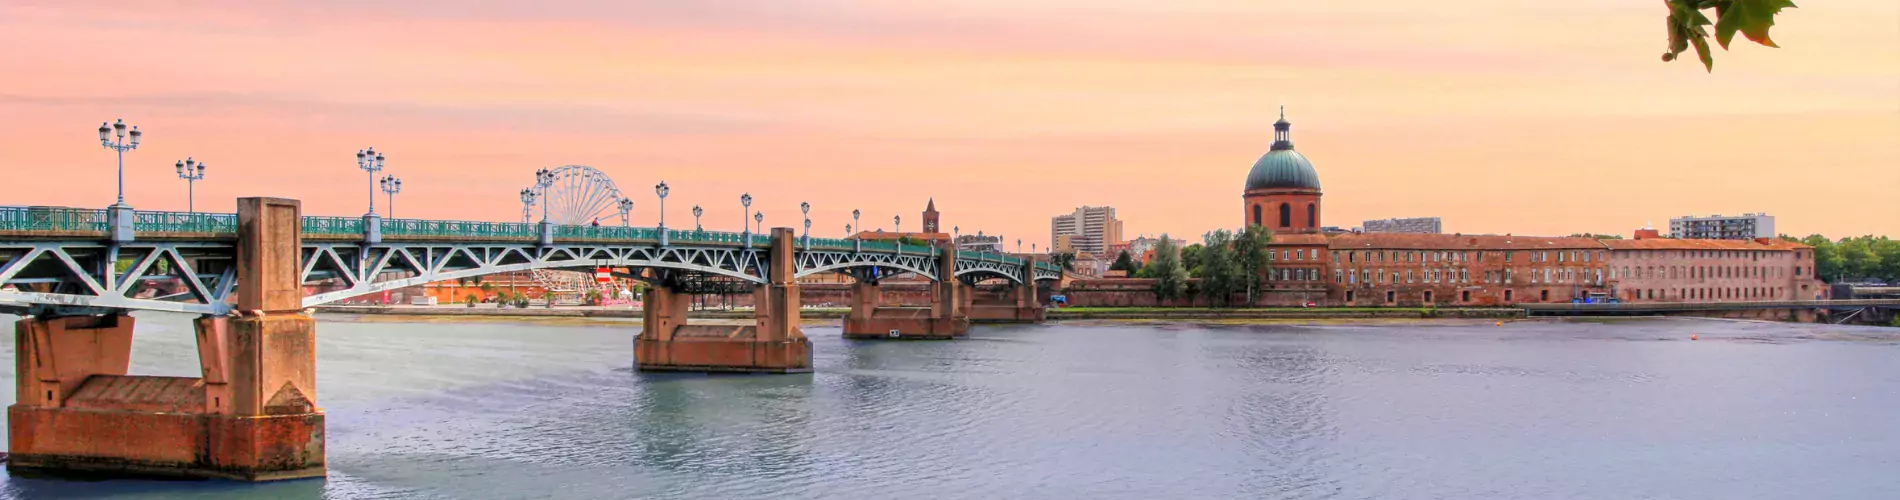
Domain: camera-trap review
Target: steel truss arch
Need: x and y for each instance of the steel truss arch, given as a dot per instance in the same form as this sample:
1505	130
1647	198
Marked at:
809	262
360	268
95	275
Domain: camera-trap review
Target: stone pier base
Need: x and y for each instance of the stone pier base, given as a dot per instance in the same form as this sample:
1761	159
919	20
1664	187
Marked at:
904	323
713	348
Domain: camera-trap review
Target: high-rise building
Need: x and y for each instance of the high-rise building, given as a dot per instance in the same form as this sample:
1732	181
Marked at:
1089	229
1418	225
1717	227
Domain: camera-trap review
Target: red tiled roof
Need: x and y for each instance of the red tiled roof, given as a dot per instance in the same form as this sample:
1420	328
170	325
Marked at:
1685	244
1410	241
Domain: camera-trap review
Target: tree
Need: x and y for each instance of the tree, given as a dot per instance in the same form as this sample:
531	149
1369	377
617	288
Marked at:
1191	257
1125	263
1065	259
1220	272
1170	276
1688	26
1250	256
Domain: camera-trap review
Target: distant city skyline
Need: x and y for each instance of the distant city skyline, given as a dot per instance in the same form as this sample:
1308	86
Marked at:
1497	119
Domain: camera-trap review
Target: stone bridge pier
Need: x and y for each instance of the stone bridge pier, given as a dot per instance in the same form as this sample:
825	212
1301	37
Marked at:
251	416
1019	305
773	344
945	318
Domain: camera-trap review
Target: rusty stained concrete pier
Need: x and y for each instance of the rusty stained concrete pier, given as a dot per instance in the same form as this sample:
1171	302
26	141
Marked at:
774	344
252	416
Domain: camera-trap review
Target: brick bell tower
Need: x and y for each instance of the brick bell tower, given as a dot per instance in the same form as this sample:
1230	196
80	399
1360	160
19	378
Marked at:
1282	190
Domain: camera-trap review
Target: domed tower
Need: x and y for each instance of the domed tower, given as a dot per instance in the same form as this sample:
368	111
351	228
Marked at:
1283	190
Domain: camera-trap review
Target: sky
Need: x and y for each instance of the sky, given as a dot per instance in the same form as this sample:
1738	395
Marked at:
1500	116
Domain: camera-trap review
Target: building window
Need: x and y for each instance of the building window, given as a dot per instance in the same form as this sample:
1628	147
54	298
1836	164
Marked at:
1544	295
1464	296
1312	215
1428	296
1256	215
1349	296
1390	297
1286	216
1507	295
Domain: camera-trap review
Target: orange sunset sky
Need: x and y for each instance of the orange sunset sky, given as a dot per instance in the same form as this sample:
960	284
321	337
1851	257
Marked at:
1527	117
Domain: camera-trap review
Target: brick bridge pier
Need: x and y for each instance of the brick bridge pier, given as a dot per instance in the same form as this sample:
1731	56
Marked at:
251	416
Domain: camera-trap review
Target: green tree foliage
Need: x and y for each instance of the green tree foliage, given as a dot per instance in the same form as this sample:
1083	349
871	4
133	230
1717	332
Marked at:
1191	257
1854	259
1170	275
1066	260
1250	256
1125	263
1220	272
1597	236
1689	24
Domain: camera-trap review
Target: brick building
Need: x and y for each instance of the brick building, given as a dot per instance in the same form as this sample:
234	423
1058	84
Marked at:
1400	269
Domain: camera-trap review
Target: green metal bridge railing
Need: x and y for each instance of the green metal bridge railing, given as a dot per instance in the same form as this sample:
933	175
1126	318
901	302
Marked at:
159	223
183	222
51	219
332	226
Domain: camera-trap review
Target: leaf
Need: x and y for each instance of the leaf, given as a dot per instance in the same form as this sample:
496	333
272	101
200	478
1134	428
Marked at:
1751	17
1702	51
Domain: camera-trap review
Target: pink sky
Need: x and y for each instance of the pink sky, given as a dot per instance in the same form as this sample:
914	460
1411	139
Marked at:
1497	115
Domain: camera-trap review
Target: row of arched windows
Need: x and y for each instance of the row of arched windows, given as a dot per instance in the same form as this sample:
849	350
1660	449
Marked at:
1286	216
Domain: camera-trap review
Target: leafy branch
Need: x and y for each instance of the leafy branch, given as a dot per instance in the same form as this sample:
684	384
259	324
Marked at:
1688	26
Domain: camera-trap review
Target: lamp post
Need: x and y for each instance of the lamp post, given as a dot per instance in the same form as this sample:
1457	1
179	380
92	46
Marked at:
1019	245
745	200
120	145
626	207
759	217
956	233
372	162
661	189
805	206
696	213
543	179
186	172
897	225
527	204
857	244
392	186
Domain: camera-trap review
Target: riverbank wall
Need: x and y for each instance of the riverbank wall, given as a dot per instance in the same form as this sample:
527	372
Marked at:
1154	313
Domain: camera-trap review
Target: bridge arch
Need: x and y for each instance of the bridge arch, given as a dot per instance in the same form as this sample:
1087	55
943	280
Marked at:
438	262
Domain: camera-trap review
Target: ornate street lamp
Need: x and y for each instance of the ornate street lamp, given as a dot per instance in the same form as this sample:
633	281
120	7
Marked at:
661	190
805	206
626	207
527	204
1019	245
897	225
745	200
696	213
759	217
121	146
372	162
186	172
544	178
391	186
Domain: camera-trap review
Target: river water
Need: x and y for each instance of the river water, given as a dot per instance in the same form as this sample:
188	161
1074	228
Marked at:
1624	410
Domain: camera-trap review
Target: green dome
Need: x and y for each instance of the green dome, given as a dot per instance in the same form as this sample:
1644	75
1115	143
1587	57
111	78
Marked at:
1282	168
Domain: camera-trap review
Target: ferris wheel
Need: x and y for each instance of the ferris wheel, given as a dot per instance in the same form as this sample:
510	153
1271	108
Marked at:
574	195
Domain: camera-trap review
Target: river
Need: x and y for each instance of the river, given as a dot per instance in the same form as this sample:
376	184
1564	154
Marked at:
1097	410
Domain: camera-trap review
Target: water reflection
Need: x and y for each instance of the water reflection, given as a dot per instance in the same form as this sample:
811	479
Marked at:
502	410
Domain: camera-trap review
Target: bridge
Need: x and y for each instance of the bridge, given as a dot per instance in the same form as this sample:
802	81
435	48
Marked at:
76	273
